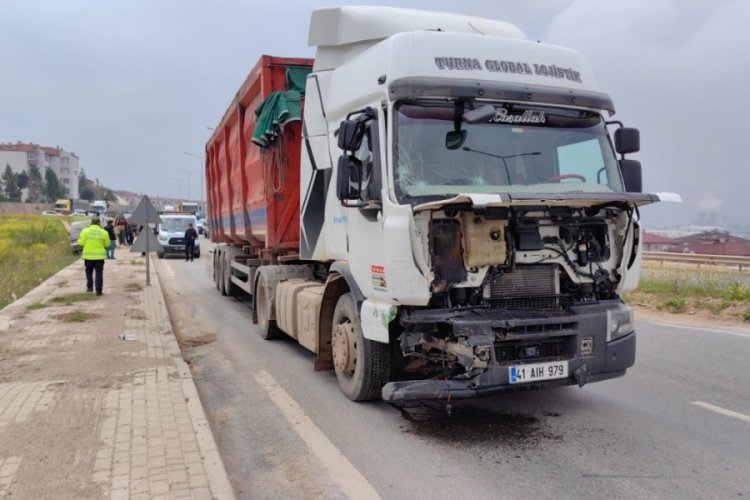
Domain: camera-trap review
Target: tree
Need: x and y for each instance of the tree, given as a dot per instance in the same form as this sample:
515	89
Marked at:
22	179
53	188
10	184
82	179
109	195
50	184
86	192
36	184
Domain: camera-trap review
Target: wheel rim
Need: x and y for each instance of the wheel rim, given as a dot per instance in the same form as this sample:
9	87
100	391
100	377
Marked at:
344	346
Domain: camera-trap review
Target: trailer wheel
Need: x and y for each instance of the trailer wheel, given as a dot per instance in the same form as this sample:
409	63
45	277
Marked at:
269	330
217	260
362	366
228	288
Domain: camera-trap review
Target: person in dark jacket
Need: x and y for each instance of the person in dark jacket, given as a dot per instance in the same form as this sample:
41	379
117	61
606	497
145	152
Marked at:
112	239
190	236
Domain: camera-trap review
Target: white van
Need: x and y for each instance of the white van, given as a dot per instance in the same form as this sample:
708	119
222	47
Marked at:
171	234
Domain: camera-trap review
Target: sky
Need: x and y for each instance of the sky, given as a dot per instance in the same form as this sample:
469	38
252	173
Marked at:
131	86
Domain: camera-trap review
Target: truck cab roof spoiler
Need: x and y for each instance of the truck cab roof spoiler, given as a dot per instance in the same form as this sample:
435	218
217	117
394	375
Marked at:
504	91
478	200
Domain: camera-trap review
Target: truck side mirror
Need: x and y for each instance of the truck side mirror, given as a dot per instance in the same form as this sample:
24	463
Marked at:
627	140
631	175
349	178
350	135
454	139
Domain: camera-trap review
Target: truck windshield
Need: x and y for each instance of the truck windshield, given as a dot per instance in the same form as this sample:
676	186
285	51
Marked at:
519	149
175	225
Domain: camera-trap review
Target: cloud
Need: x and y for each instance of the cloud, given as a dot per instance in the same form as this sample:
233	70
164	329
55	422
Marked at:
709	203
678	71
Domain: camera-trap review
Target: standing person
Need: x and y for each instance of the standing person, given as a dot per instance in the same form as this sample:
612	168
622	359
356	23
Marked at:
190	236
129	233
120	224
93	243
112	239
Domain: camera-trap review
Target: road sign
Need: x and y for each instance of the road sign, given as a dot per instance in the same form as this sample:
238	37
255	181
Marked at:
146	242
145	213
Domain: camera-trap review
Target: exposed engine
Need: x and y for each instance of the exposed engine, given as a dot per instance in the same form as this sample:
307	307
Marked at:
505	282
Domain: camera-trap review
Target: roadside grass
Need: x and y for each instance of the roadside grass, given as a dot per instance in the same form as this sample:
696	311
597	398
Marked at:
712	292
32	248
72	298
76	316
37	305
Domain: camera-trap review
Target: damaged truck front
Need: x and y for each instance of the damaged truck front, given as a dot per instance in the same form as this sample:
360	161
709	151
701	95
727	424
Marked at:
525	224
522	221
467	218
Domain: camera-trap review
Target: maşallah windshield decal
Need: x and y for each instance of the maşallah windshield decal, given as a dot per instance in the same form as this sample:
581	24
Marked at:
528	117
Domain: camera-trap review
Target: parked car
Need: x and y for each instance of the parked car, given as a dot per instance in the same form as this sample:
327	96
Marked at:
50	212
75	231
201	226
80	211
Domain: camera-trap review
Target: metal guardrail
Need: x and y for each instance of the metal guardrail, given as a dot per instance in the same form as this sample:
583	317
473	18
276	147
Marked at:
699	259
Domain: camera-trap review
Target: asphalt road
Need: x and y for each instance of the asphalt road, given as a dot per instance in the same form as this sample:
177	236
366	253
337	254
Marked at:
676	426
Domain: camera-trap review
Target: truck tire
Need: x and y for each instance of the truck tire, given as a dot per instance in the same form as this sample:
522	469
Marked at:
216	274
197	254
160	255
269	330
227	287
362	366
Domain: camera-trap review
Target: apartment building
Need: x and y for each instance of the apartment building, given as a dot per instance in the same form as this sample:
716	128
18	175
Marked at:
20	156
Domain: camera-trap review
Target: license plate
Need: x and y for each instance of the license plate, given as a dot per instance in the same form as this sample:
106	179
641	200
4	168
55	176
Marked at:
535	372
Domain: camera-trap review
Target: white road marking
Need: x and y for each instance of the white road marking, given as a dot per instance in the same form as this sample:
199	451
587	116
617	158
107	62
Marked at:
700	328
340	470
722	411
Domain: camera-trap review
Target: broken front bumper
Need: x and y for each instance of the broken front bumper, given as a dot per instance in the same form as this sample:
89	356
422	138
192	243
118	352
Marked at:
581	325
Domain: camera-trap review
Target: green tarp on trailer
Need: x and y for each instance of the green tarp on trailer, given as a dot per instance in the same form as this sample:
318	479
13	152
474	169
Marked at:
280	108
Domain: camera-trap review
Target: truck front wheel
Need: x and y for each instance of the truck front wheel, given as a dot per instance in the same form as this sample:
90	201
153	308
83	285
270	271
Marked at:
362	366
269	330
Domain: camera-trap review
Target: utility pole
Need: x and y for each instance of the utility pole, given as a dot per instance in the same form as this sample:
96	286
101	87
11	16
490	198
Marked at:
201	172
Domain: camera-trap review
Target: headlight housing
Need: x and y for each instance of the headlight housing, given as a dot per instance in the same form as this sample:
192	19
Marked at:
163	237
619	323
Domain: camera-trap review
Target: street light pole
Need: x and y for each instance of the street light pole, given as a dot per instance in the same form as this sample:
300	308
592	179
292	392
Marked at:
188	172
179	192
200	170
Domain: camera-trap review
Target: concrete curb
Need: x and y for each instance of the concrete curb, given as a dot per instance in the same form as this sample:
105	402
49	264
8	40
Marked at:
216	473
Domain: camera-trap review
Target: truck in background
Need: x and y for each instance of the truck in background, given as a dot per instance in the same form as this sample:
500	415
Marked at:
67	206
191	207
449	220
98	207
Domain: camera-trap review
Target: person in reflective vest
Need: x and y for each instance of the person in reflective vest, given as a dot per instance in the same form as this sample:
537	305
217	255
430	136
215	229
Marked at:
94	242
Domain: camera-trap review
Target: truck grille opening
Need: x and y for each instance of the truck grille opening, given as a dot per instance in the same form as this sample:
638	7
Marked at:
524	281
550	349
176	241
547	303
537	328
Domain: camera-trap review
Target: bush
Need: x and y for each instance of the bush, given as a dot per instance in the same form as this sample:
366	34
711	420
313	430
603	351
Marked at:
674	304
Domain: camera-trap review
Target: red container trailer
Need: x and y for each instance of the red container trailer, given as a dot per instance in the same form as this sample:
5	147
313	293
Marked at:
253	192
